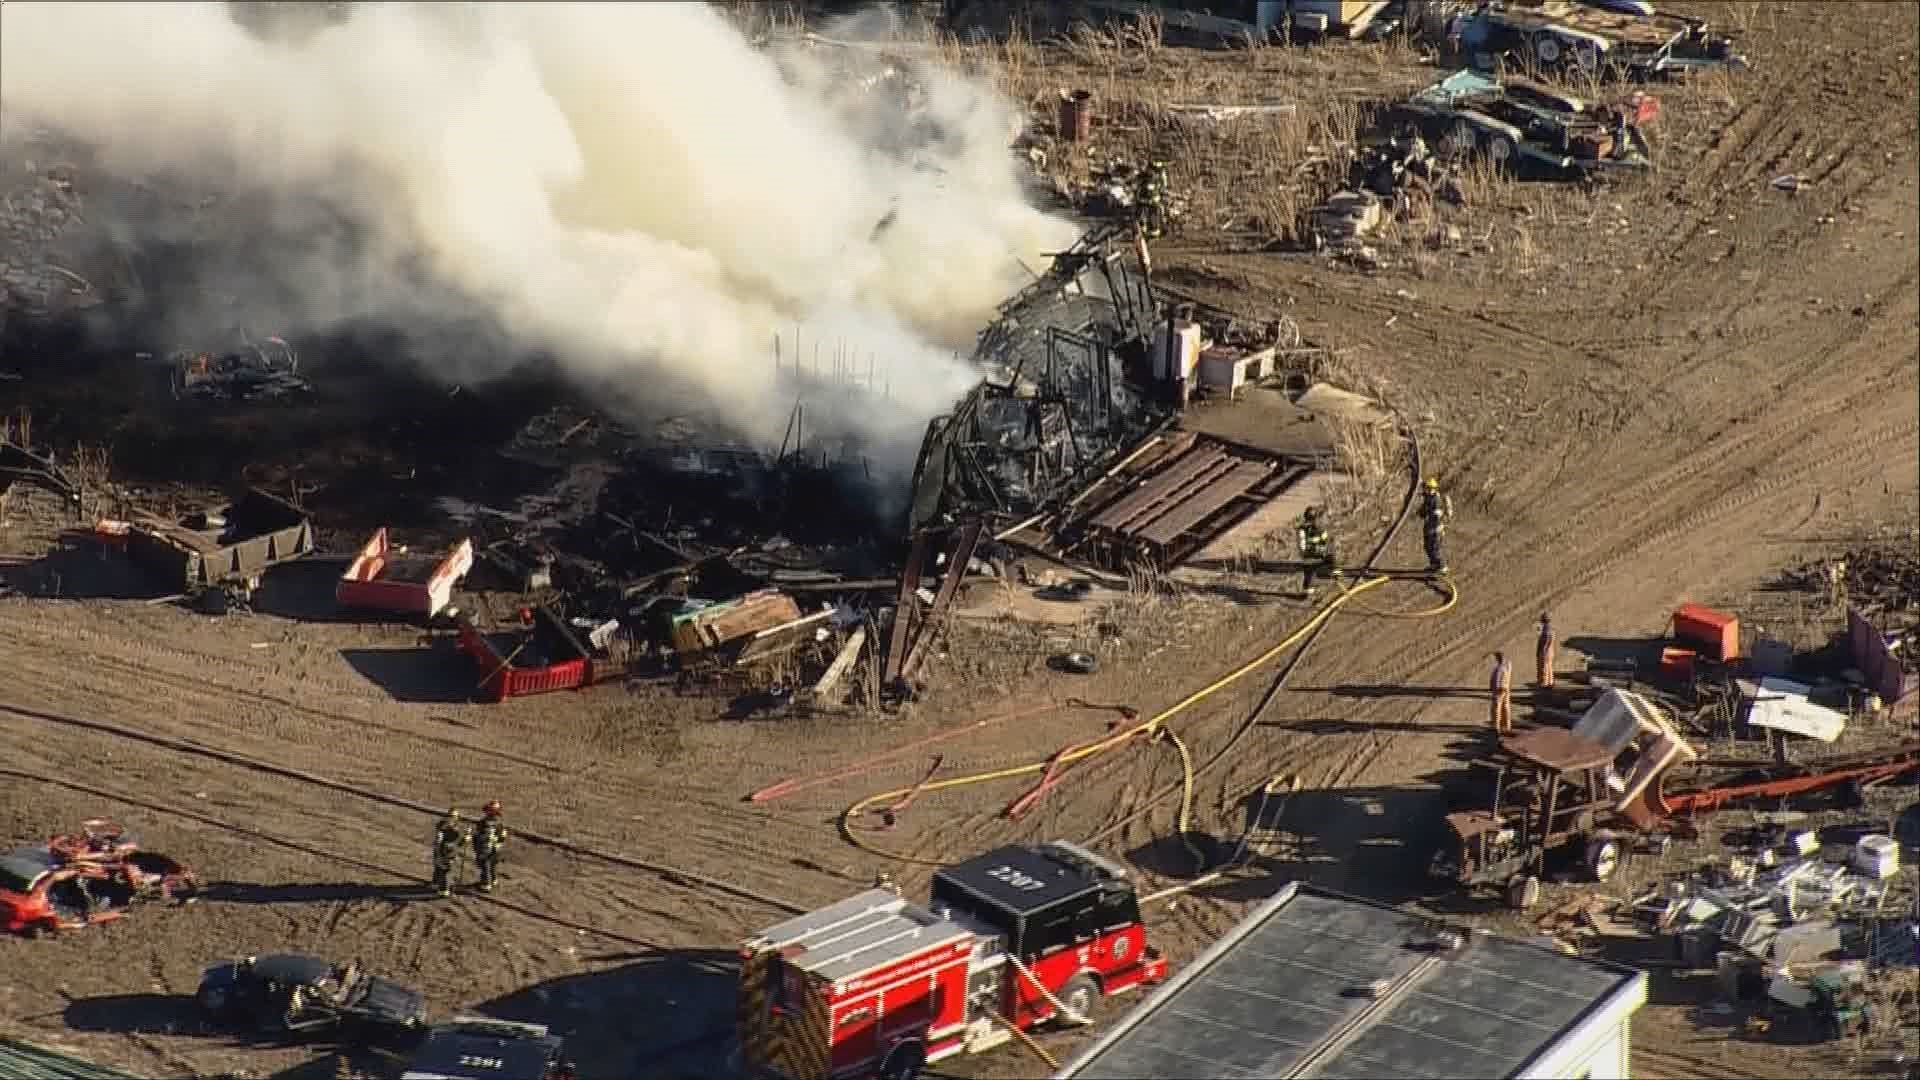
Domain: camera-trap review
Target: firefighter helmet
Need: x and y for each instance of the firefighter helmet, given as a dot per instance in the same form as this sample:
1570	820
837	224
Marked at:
1433	484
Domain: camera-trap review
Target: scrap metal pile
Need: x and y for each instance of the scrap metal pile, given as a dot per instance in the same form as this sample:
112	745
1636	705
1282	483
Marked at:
257	371
1591	790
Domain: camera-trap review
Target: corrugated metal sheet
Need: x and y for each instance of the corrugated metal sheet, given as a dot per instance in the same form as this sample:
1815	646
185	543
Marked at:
24	1061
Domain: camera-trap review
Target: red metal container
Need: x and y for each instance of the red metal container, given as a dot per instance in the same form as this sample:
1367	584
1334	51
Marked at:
1715	633
1676	664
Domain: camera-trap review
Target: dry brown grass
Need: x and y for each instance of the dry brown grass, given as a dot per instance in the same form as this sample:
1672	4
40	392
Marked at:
1372	454
1253	174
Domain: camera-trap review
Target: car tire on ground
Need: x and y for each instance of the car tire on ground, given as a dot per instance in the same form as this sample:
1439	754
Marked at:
1459	140
1076	663
1548	52
1501	152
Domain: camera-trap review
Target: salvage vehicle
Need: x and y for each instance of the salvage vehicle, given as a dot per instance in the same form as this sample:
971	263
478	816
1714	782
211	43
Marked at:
1589	39
291	993
255	372
482	1048
221	552
876	985
1519	125
1550	797
81	879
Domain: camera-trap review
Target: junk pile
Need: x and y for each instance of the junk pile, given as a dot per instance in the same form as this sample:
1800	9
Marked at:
257	371
1781	924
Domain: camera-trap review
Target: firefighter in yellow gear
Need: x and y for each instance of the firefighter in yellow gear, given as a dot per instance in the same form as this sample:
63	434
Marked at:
1316	552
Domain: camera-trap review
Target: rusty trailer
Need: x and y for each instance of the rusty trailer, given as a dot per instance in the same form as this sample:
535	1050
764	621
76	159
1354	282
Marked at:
234	545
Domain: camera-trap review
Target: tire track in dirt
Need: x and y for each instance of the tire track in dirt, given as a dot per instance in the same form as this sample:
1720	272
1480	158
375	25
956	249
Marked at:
93	657
1511	605
310	850
690	880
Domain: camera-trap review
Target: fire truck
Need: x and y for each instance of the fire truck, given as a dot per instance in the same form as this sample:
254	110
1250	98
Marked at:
877	985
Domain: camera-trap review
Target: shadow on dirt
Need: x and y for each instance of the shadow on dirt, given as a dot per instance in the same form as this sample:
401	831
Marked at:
1374	842
430	676
135	1014
302	590
241	892
605	1014
1329	726
77	570
1361	690
1643	653
336	1062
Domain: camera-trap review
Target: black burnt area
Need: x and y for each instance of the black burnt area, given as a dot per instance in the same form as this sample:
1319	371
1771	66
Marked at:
374	444
798	516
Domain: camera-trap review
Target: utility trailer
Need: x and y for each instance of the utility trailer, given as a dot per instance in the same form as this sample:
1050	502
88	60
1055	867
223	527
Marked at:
382	579
1519	125
219	551
877	985
1589	39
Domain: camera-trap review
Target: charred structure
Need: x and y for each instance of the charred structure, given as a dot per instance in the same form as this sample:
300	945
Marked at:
1058	403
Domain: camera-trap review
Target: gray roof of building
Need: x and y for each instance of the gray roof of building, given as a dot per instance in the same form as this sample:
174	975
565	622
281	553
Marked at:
1286	995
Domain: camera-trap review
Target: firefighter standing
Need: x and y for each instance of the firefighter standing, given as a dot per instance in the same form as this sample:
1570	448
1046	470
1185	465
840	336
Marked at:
1543	654
1316	551
488	838
449	839
1150	199
1436	509
1500	691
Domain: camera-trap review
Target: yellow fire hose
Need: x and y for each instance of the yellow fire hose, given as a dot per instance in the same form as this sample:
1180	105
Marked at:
1151	727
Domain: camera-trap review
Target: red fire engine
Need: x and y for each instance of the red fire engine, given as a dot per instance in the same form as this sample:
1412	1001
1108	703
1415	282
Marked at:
876	985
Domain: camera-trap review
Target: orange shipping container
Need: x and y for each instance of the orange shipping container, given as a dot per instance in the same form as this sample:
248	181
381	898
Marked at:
1715	633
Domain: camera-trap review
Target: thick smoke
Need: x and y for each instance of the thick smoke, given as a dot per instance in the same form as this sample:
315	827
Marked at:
634	188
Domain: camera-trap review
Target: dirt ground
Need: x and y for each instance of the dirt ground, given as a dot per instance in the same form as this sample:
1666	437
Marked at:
1691	384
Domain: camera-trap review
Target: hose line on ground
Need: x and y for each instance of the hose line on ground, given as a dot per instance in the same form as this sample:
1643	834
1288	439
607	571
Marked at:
1149	726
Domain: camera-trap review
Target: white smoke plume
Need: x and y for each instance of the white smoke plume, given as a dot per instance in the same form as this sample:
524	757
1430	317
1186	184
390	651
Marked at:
634	188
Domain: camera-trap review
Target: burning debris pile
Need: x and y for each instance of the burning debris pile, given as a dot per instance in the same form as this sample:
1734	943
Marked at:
255	372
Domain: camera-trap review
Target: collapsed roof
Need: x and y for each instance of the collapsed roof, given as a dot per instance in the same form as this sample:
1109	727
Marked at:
1056	406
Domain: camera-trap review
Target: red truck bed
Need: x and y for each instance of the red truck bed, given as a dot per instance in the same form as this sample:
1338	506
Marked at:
543	658
378	580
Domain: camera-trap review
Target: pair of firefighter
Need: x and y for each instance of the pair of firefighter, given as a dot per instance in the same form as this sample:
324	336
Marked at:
1500	683
451	840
